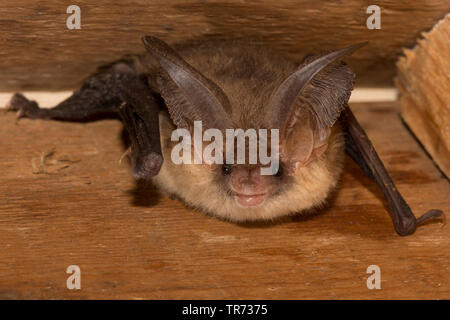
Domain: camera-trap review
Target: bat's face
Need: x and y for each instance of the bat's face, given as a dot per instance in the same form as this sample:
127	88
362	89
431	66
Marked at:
240	193
301	106
253	195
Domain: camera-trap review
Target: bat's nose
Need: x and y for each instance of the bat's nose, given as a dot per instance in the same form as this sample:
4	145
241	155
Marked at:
250	179
247	180
248	176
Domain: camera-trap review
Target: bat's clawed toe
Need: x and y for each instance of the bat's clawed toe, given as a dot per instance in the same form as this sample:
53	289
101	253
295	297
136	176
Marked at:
23	106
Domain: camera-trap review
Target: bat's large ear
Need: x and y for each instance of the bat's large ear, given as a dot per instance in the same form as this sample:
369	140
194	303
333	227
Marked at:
307	104
189	95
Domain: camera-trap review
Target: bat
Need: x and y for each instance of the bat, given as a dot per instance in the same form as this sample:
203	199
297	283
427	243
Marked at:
229	86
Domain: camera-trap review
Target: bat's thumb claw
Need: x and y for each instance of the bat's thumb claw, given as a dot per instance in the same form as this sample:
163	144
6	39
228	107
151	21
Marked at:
125	154
431	215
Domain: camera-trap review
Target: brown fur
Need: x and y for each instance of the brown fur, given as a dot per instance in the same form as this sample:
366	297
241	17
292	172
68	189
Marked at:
248	76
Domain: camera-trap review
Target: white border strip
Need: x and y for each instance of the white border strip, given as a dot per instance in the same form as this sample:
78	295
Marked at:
49	99
374	95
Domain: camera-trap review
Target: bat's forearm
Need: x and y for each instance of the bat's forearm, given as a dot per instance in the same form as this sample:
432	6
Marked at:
360	148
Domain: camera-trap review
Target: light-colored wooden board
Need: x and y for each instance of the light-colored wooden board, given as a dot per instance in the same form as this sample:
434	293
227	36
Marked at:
132	243
39	52
424	84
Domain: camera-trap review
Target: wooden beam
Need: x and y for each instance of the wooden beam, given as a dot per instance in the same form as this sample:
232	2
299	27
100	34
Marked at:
424	84
80	207
38	52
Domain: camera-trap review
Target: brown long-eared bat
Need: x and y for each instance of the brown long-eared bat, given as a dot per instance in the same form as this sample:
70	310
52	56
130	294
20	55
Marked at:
234	86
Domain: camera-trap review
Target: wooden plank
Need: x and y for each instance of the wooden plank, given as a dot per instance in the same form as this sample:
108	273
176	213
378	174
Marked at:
424	84
40	53
132	243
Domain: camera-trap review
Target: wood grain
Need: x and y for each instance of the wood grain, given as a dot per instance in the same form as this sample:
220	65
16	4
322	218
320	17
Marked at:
83	208
424	85
40	53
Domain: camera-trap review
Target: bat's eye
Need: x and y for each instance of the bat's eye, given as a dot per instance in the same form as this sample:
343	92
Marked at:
226	169
279	172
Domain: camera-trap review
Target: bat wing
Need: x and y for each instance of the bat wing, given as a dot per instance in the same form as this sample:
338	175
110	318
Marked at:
360	149
116	89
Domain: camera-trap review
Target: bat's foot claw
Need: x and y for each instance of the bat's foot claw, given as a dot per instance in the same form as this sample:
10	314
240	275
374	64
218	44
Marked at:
24	107
431	215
